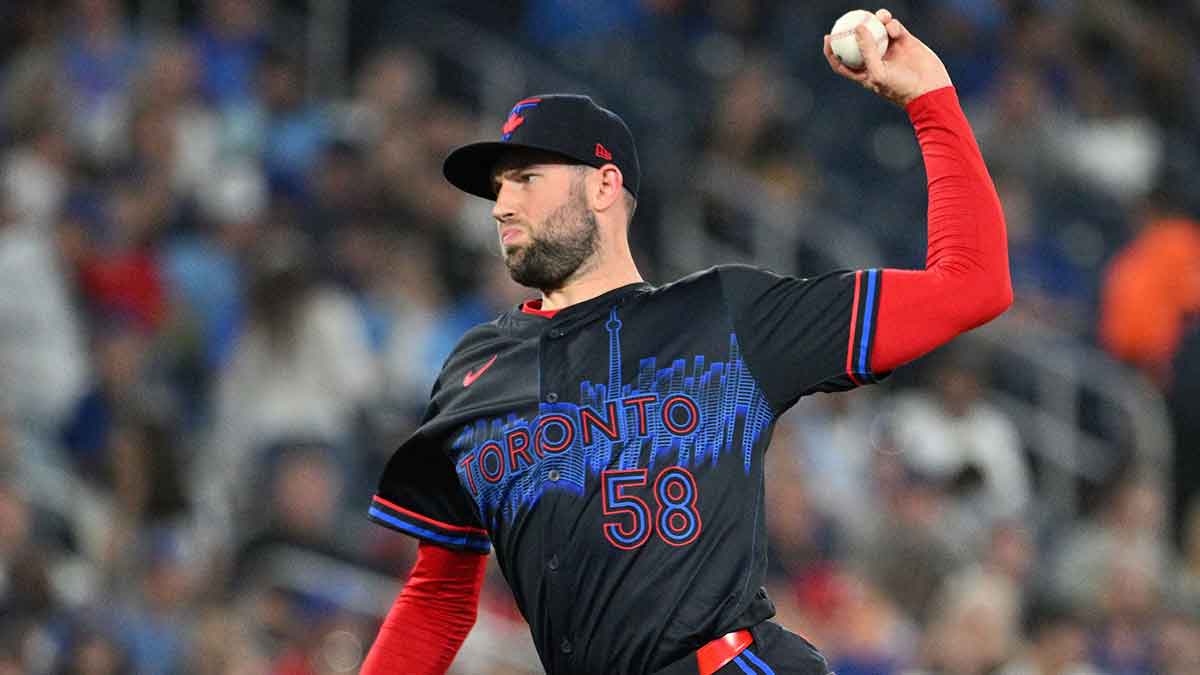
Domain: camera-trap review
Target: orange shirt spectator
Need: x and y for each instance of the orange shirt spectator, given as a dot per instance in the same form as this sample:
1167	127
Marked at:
1150	290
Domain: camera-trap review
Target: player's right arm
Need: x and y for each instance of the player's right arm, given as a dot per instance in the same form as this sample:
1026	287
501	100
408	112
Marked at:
432	615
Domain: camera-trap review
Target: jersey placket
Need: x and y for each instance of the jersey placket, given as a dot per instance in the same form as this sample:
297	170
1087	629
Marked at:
553	383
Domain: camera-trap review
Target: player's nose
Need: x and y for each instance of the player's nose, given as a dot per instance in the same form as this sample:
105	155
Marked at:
503	210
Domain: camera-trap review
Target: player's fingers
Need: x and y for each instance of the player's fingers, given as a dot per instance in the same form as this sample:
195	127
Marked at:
870	51
894	29
883	15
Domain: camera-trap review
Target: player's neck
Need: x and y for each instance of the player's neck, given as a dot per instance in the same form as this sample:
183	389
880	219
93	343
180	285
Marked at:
593	281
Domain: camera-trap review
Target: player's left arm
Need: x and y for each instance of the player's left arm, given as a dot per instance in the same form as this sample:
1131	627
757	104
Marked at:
966	281
844	329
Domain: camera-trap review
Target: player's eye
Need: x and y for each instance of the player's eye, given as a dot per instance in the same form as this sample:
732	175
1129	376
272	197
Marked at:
528	177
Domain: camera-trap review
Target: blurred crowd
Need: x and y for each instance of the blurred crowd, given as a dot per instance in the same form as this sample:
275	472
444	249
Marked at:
224	297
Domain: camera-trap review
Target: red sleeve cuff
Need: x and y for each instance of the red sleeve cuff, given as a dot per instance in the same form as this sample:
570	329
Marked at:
930	101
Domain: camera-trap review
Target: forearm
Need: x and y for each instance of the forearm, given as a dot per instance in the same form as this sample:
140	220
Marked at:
966	281
432	615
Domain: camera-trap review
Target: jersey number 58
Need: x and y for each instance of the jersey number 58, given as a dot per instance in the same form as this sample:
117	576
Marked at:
675	519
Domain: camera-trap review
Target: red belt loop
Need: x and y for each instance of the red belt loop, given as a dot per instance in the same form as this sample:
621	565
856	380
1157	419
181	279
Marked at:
724	649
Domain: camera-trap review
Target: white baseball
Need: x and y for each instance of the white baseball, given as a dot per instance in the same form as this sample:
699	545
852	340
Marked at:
841	37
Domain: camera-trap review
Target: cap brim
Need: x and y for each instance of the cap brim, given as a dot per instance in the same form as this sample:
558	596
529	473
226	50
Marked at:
469	167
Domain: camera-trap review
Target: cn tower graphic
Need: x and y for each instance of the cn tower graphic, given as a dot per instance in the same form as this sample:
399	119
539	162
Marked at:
691	412
614	356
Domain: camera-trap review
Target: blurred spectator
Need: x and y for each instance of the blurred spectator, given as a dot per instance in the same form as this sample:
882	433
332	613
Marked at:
117	261
800	536
339	190
1123	637
205	270
221	644
35	180
93	651
28	61
1178	640
154	623
1052	268
854	622
955	434
395	85
1147	49
914	548
403	305
838	457
172	122
1015	121
1187	586
294	132
43	366
1183	402
100	57
301	507
302	368
1057	642
1152	288
1085	146
230	43
974	626
1116	560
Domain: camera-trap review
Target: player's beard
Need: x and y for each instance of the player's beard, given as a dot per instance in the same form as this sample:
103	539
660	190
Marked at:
562	244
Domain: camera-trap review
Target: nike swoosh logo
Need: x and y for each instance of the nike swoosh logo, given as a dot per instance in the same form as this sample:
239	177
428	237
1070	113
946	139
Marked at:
473	375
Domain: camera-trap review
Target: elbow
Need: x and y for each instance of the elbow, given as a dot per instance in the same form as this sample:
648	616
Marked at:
993	301
1002	300
978	295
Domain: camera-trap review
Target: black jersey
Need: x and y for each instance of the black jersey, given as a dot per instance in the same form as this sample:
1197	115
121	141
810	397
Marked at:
612	454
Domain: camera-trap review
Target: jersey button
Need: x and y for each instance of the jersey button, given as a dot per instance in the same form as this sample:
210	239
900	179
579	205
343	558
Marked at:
552	398
552	563
556	333
553	475
567	647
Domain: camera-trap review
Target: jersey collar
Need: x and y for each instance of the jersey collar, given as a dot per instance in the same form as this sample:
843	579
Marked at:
534	307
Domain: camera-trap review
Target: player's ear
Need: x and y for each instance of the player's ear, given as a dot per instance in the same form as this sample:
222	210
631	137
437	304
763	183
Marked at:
606	188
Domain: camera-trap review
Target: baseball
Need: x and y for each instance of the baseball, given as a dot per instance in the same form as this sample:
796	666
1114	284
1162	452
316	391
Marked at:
841	37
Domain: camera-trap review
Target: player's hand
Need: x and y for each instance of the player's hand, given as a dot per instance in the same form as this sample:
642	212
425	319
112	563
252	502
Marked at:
907	70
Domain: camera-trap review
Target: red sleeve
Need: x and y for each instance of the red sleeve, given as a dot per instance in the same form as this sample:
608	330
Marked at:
432	616
965	282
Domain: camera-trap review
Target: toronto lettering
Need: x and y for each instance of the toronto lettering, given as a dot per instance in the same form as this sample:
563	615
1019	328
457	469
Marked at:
551	433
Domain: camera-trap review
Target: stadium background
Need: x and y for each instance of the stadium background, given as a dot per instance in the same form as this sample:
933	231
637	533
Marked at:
230	268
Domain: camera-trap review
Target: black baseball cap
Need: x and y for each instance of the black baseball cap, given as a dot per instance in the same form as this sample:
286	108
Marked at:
569	125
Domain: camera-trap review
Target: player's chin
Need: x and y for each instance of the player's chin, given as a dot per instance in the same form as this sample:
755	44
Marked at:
512	250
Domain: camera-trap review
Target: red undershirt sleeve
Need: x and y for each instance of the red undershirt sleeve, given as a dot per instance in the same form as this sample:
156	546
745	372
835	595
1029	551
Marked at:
432	615
966	281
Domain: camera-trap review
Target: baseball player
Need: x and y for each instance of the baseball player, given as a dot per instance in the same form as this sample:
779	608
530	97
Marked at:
607	439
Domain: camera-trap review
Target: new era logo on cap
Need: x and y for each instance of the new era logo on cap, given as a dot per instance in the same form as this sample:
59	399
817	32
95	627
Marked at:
568	125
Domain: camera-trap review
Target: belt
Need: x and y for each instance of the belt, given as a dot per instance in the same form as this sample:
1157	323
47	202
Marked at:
724	649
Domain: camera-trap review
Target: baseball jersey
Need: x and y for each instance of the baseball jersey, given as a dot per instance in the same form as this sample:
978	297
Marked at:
612	453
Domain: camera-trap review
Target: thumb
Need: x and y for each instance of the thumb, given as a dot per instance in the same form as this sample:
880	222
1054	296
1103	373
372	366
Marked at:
869	49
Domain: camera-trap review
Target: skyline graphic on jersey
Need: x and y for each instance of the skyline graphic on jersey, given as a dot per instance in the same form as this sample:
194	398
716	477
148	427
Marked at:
506	463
